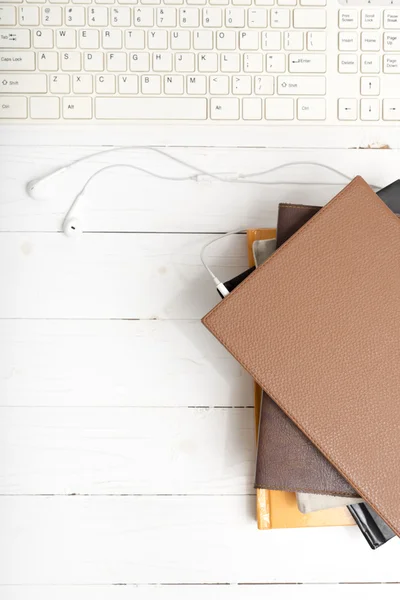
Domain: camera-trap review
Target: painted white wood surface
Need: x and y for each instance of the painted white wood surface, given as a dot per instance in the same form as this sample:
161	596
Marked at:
109	473
203	592
190	539
127	450
115	363
127	200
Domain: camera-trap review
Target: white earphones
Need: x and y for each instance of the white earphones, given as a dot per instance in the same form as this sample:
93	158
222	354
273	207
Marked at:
71	224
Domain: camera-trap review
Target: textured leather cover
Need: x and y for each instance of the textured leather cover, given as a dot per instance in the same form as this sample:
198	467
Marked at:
286	459
324	341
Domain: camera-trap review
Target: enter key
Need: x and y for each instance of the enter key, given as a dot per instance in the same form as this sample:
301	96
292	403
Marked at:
307	63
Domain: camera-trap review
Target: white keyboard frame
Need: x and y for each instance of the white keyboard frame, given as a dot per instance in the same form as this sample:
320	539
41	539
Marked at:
255	131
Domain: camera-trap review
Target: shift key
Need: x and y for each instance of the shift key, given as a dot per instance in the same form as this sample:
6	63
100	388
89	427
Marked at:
303	86
16	83
17	61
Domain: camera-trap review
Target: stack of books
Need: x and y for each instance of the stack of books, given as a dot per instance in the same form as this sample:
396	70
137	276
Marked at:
316	324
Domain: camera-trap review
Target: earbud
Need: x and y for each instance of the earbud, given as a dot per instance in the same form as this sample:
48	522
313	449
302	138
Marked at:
72	227
71	224
33	186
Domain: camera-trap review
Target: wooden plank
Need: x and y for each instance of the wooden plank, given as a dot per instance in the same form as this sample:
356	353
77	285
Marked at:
202	592
128	200
187	539
110	363
127	451
100	276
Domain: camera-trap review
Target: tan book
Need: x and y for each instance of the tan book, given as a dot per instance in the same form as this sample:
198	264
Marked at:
324	342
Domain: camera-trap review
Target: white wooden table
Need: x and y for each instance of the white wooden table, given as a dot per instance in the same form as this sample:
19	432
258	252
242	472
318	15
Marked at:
126	431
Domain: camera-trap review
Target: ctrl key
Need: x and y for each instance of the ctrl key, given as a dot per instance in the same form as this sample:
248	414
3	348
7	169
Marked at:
13	107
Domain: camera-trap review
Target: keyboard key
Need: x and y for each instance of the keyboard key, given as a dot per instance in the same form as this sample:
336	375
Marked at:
8	15
301	86
370	41
174	84
370	86
82	83
391	19
28	15
151	108
253	63
77	108
52	16
202	40
370	63
180	40
111	39
66	39
309	19
15	38
279	109
44	108
369	109
347	109
17	61
59	83
391	63
370	19
241	85
348	41
307	63
224	109
219	85
196	84
316	40
391	41
230	62
252	109
280	18
391	109
150	84
249	40
348	63
276	63
264	85
348	19
43	39
226	40
89	39
139	61
293	40
47	61
311	109
128	84
105	84
271	40
16	83
13	107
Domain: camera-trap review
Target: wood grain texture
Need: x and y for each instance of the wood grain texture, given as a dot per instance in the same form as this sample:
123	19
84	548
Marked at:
186	539
127	451
124	200
102	276
110	363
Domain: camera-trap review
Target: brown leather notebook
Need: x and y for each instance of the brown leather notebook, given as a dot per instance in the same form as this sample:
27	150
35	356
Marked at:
324	342
286	459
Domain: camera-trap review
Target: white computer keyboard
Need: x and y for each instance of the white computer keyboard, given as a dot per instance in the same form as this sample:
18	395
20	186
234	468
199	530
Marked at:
251	61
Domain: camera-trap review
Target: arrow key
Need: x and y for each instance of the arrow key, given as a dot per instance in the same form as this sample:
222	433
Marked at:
370	86
369	110
391	109
347	109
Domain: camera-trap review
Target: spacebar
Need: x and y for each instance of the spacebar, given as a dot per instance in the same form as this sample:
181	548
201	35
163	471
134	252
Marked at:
151	108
